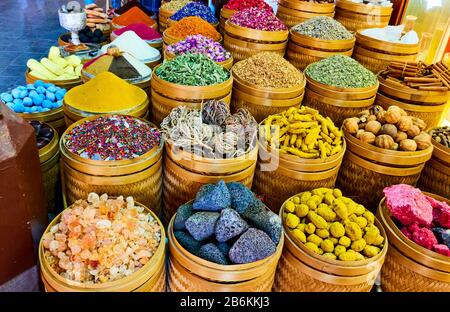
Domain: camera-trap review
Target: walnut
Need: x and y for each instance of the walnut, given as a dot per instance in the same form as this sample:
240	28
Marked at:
405	123
373	126
393	114
413	131
389	130
381	116
419	123
408	145
367	137
423	140
384	141
400	136
351	125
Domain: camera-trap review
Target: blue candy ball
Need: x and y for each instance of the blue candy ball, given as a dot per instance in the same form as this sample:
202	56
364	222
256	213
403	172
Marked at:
10	105
19	108
23	93
17	101
33	109
40	90
58	104
52	89
37	100
32	93
47	104
6	97
59	95
50	96
48	85
27	101
26	109
21	88
38	83
45	109
15	93
30	86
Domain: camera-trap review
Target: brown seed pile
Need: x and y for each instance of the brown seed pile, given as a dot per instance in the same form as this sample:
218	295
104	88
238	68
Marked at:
269	70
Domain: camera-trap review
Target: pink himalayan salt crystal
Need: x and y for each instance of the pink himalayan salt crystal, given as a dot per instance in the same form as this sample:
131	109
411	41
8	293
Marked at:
408	205
441	212
442	249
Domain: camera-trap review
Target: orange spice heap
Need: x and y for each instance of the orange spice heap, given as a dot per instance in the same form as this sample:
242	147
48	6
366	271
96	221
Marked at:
133	15
192	25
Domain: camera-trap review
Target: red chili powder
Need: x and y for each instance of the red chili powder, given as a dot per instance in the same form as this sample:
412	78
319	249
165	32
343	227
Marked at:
143	31
133	15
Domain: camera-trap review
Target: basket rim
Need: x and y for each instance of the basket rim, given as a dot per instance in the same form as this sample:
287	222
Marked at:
55	82
363	8
393	45
304	39
256	34
48	151
338	263
324	7
57	113
103	286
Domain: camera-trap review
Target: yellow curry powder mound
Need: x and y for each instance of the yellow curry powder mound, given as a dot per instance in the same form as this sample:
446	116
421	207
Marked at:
105	93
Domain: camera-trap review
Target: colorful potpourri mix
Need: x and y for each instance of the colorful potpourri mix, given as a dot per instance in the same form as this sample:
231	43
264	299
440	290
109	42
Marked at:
101	239
257	19
195	9
239	5
202	45
110	138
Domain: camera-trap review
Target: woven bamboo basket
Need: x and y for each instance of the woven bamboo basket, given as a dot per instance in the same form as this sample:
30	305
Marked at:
140	177
367	169
295	12
53	118
336	109
163	17
162	106
72	114
301	270
280	177
244	42
65	84
227	64
409	266
261	101
189	273
356	16
435	176
340	93
431	114
376	61
49	159
225	14
411	95
150	278
181	184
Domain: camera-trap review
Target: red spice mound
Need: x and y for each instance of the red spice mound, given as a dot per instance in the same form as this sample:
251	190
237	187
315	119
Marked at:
142	30
442	249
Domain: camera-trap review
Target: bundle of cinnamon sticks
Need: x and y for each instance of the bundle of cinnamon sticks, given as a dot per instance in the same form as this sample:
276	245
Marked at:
434	77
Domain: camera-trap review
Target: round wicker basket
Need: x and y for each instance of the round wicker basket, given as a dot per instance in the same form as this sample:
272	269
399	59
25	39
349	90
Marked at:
302	270
140	177
356	16
53	118
189	273
409	266
150	278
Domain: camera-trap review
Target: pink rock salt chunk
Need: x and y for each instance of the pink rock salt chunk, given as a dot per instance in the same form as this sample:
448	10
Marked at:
424	237
441	212
408	205
442	249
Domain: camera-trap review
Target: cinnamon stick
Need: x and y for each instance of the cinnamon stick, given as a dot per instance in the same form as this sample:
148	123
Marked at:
433	88
425	84
421	79
444	81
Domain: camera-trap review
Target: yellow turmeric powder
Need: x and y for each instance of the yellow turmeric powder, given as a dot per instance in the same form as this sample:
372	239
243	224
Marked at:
105	93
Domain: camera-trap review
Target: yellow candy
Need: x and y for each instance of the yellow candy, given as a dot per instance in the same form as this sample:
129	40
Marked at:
292	220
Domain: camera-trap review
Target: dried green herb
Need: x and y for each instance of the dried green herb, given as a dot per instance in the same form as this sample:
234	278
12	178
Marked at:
341	71
192	70
323	27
